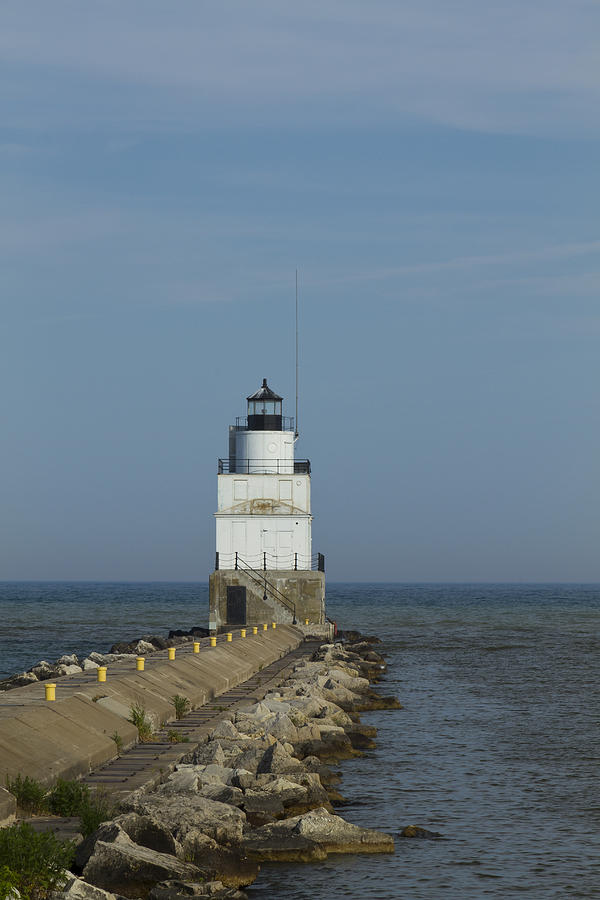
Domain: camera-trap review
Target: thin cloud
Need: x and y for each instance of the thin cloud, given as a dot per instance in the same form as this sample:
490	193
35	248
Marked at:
509	67
461	263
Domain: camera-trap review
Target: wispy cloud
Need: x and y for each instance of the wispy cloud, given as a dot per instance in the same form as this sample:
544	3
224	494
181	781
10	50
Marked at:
510	67
552	253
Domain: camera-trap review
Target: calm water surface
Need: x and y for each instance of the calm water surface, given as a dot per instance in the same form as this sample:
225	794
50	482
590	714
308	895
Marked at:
496	747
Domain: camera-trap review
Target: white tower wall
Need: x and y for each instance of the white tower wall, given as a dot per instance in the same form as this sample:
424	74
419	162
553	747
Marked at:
264	451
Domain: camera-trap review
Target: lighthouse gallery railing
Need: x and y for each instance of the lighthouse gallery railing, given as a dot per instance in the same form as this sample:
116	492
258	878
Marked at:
272	561
264	467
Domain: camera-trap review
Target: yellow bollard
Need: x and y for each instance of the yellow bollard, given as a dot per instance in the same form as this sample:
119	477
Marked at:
213	641
196	646
171	652
139	663
274	624
229	637
265	626
101	673
255	629
242	632
50	692
306	621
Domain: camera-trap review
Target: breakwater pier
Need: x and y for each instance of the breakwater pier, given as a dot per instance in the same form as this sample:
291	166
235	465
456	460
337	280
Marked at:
72	734
246	780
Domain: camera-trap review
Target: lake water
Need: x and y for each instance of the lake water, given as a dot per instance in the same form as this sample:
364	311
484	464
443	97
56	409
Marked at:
497	746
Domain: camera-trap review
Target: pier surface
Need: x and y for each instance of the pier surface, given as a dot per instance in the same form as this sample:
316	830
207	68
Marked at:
74	735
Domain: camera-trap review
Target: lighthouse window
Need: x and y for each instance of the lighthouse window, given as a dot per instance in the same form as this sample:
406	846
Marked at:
240	490
264	407
285	490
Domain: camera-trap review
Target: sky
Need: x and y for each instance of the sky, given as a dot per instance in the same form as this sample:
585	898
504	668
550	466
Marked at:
431	170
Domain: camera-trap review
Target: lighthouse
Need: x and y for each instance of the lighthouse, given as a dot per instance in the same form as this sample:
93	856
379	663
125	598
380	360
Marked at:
265	569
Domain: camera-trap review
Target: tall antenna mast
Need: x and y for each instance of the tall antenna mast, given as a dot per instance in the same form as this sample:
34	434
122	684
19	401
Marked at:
297	432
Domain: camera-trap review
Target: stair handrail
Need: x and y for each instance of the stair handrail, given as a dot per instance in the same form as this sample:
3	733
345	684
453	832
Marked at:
261	579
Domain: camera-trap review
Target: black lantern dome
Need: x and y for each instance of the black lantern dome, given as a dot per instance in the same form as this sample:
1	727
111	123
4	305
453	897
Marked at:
264	409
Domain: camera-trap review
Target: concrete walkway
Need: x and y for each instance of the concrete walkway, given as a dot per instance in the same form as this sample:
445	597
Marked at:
147	764
75	734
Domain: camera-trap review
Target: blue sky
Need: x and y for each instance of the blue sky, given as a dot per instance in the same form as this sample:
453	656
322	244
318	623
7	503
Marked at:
431	169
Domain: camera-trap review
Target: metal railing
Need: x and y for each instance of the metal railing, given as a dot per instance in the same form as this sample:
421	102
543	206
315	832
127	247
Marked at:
267	561
261	580
287	423
264	467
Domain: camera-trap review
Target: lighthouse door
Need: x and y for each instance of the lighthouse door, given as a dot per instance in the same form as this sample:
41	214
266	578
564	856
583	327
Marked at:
236	604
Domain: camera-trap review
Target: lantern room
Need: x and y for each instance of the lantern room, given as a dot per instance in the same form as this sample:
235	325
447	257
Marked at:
264	409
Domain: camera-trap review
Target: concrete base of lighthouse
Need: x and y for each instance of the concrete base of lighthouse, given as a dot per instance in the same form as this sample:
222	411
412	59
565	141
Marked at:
237	597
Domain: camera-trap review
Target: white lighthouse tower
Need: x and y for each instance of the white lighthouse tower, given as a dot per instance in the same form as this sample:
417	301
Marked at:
264	565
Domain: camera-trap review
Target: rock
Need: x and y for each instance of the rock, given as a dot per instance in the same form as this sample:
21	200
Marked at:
355	637
119	648
44	671
148	832
230	865
278	761
225	729
159	643
282	728
64	669
19	680
223	823
143	647
317	831
215	774
88	664
77	889
185	779
181	890
376	701
250	759
68	660
211	752
131	870
415	831
107	831
333	745
261	808
223	793
361	736
104	659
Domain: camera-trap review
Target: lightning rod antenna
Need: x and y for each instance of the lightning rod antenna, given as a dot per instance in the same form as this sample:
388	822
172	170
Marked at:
297	432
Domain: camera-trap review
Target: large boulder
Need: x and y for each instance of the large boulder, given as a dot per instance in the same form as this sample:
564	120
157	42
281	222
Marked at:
149	832
230	865
77	889
88	664
129	869
182	890
278	761
44	670
68	669
281	727
69	659
20	680
319	831
186	811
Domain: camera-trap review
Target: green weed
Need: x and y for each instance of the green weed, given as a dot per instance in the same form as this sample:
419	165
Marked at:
30	794
68	797
182	706
137	715
33	863
97	809
118	741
